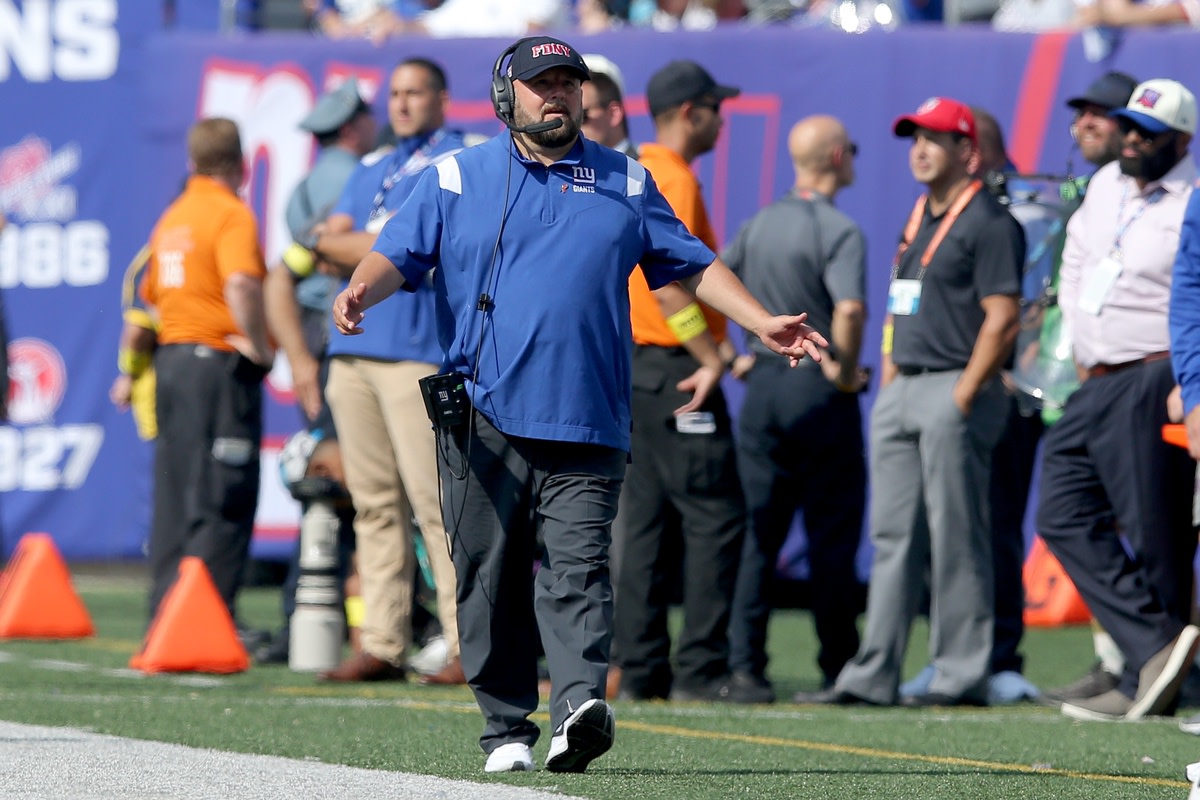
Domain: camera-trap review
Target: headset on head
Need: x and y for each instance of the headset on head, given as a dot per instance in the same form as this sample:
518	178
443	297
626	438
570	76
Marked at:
502	87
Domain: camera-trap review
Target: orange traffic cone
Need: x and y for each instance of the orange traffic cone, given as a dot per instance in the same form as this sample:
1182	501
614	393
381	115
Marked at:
1051	599
1175	433
37	600
192	630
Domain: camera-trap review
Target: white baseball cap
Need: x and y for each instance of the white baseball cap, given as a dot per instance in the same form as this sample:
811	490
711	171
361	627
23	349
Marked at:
1161	105
605	66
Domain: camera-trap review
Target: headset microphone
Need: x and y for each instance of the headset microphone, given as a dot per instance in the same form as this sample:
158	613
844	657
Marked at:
537	127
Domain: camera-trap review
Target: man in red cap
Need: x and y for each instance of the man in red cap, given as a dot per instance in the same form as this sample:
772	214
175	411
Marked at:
950	328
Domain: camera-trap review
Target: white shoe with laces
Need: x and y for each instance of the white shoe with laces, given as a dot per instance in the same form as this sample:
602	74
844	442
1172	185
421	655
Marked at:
511	757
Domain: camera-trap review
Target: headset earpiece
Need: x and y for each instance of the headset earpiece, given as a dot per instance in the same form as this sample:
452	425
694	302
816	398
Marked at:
502	88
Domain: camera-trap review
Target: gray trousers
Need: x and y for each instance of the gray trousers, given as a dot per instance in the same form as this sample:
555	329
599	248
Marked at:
930	469
500	494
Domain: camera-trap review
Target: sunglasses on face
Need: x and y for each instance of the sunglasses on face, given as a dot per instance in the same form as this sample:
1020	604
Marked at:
1127	126
851	148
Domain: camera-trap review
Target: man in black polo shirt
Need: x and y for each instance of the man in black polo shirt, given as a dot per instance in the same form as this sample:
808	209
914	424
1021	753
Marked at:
950	328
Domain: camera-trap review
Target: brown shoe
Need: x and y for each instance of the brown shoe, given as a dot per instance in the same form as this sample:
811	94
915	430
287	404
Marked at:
362	667
449	675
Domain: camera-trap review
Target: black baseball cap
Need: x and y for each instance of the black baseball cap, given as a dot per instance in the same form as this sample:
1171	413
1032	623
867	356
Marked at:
681	81
536	54
1110	90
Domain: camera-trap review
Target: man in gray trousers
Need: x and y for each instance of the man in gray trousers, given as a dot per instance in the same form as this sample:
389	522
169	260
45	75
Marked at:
950	328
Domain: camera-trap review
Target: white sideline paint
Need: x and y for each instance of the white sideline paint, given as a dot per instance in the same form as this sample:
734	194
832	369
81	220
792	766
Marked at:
53	763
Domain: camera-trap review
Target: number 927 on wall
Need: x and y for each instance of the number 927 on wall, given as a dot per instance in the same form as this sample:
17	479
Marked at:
46	458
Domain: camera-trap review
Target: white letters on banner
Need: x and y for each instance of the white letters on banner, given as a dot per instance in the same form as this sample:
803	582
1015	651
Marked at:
72	40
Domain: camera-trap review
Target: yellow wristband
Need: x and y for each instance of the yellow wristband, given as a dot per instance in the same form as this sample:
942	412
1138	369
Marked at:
130	362
299	260
885	346
687	323
355	611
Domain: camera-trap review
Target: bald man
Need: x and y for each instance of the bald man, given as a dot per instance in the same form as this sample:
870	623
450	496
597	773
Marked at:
800	445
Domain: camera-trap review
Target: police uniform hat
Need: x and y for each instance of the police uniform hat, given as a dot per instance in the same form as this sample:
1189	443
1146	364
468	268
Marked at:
334	109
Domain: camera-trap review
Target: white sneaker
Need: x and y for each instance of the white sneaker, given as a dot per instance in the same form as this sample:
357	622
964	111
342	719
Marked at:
585	735
511	757
431	658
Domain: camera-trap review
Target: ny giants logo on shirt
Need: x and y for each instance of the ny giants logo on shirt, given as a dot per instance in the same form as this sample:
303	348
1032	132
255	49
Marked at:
583	179
550	49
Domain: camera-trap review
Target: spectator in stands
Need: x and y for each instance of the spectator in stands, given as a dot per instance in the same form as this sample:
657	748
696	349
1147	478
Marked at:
461	18
1130	14
604	118
952	321
355	19
298	295
373	392
205	279
682	475
593	16
1115	500
669	15
1034	15
802	249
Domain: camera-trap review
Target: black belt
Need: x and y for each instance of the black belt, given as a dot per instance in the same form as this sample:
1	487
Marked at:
908	372
200	350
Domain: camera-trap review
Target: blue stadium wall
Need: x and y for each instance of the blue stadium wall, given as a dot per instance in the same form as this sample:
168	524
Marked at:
98	100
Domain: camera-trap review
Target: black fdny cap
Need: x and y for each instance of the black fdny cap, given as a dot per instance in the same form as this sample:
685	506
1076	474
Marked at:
537	54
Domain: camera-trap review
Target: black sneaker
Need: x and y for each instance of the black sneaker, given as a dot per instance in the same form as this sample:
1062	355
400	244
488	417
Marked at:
746	687
275	651
1096	682
585	735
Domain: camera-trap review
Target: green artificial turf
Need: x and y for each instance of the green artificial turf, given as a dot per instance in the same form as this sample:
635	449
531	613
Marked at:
663	751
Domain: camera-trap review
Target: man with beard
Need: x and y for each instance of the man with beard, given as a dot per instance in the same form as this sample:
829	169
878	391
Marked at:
1106	473
1099	141
533	408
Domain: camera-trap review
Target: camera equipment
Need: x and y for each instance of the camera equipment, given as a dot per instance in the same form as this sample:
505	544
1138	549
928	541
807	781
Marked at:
445	400
317	627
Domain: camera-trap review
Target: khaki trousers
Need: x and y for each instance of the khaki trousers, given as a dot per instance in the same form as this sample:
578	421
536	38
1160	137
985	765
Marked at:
391	471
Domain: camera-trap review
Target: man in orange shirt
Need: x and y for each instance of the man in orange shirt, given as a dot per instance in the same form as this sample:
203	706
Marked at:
205	280
682	475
